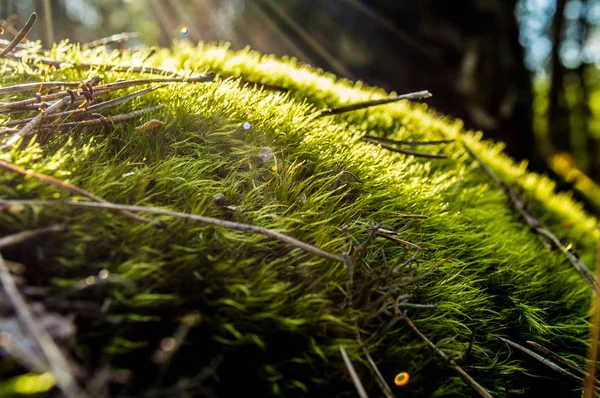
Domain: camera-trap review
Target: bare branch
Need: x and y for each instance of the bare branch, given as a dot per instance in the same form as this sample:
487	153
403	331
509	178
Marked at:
521	207
359	387
361	105
33	123
545	361
206	220
56	360
376	139
20	36
64	186
20	237
461	373
413	153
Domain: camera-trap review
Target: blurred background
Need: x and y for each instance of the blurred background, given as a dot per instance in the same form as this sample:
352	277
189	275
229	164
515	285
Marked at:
525	72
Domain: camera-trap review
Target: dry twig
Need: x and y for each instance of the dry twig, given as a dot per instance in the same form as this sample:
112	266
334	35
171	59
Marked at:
548	363
20	237
366	104
547	236
461	373
28	128
65	186
206	220
56	360
359	387
20	36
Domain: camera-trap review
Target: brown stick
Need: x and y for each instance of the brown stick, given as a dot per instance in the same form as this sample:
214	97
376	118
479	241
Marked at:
113	119
373	138
111	87
361	105
461	373
92	108
65	186
33	123
20	237
20	36
205	220
413	153
541	359
118	38
520	206
56	360
359	387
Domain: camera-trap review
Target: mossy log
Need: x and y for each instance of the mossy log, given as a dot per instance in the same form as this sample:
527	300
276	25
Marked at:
159	303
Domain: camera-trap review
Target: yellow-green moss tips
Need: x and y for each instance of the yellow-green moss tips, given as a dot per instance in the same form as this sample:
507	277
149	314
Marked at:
271	317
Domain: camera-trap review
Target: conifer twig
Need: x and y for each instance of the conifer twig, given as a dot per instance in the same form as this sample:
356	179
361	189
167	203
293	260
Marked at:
461	373
65	186
57	362
366	104
205	220
20	36
357	383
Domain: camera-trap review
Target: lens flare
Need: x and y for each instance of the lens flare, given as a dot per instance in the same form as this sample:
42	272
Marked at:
184	30
401	379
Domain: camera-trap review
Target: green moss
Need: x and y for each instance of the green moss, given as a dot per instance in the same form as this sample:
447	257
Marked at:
271	316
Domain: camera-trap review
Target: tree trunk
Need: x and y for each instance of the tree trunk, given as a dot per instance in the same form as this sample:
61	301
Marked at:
558	120
467	53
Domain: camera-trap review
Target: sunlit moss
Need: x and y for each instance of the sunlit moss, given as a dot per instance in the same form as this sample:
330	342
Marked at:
273	317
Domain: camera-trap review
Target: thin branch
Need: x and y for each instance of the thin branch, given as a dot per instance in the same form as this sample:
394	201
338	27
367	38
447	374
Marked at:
387	392
413	153
17	88
359	387
20	36
20	237
103	88
461	373
65	186
402	215
399	241
361	105
118	38
520	206
373	138
206	220
559	360
93	122
92	108
56	360
33	123
545	361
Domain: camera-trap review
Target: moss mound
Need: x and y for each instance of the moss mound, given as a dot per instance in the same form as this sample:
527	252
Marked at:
178	305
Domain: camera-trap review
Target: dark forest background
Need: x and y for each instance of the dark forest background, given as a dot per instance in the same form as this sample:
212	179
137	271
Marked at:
525	72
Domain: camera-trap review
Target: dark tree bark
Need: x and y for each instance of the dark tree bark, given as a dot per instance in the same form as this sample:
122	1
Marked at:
466	52
558	120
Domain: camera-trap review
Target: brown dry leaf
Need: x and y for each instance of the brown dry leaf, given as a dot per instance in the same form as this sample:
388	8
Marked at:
150	125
